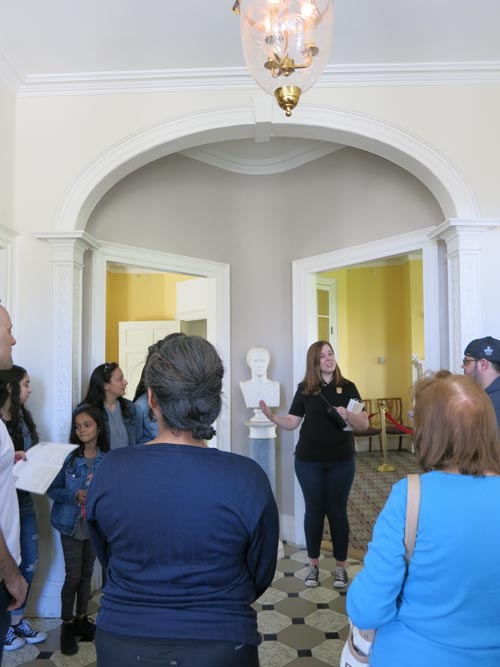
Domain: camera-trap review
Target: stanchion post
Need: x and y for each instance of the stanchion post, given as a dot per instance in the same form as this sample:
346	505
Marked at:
385	467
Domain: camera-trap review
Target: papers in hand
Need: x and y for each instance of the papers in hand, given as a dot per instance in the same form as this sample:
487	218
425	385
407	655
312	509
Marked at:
43	462
356	407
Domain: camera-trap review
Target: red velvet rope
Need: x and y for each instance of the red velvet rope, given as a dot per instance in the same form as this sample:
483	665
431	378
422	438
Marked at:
399	426
372	414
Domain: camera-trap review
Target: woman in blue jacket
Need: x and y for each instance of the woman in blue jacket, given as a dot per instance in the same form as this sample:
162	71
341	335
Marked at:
69	493
445	610
106	392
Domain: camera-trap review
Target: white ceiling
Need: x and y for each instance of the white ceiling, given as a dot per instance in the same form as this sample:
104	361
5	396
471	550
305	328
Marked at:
45	38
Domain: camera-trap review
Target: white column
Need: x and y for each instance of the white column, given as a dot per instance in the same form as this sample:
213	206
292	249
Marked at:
463	252
68	250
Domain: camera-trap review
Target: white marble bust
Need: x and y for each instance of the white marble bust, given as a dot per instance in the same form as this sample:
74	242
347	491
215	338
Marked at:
260	388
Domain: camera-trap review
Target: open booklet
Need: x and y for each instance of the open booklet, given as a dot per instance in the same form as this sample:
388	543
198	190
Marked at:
354	406
43	462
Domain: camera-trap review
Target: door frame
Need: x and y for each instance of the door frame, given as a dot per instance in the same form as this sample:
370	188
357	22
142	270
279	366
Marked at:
218	311
305	311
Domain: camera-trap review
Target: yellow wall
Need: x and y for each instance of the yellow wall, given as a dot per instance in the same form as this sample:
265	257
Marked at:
138	297
380	318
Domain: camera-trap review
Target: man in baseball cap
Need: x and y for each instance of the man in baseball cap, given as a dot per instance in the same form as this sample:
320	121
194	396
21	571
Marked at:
482	362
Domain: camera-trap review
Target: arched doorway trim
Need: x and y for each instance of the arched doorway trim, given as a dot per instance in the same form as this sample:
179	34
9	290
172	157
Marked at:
320	123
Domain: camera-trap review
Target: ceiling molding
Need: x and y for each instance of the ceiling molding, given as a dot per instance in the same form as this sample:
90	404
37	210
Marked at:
10	71
235	78
277	164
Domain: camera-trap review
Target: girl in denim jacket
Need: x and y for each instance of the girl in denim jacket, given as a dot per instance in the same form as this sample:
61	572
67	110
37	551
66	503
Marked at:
69	493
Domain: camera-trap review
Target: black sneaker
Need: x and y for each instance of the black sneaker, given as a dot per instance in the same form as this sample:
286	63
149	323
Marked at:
340	580
312	577
25	631
12	641
85	628
68	639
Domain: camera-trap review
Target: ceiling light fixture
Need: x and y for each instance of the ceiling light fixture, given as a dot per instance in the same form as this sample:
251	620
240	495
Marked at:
286	44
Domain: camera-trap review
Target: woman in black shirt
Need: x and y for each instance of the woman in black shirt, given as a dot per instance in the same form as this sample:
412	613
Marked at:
324	457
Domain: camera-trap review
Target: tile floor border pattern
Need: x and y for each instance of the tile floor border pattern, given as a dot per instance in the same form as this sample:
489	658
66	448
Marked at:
300	626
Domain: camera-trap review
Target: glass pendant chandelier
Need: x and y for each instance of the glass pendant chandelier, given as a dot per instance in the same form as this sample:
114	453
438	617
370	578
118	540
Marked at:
286	44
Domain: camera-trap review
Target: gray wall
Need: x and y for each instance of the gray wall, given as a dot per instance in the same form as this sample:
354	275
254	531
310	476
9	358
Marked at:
259	224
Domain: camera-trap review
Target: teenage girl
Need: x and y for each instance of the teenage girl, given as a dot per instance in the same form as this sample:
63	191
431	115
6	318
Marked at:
15	390
69	493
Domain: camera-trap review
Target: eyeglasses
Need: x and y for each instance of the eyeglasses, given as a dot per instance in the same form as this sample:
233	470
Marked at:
466	361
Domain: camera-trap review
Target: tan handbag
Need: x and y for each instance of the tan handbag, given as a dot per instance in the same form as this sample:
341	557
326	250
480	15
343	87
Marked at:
357	648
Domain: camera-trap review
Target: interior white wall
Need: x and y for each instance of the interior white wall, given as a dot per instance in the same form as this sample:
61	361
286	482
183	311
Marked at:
259	225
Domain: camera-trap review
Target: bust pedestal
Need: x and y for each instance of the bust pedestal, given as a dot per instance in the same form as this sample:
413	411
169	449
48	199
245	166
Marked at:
262	444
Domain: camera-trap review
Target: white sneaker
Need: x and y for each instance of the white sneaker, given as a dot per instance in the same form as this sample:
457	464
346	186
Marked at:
12	641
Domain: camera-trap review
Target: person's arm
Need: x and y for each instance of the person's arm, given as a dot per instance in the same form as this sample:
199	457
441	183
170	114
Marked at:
96	535
263	549
13	581
372	596
358	422
57	490
289	423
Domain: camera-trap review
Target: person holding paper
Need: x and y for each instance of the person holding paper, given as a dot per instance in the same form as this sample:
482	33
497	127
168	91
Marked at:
13	586
15	390
69	493
324	457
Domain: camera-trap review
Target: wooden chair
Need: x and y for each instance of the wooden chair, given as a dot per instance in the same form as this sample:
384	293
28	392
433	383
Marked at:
394	407
371	406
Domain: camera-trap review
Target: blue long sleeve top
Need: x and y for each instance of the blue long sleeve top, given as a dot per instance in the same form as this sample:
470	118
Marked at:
188	537
449	609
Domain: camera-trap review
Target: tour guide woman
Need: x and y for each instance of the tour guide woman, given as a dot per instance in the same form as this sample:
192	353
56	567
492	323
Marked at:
324	457
187	534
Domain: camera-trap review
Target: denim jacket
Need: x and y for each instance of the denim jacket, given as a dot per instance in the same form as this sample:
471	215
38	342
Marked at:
149	426
71	478
133	423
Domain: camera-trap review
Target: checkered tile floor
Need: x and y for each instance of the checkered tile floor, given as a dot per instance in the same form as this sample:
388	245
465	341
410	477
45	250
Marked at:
301	627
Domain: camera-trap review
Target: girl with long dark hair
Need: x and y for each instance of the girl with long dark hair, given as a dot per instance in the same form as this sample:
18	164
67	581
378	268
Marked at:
15	389
69	493
106	392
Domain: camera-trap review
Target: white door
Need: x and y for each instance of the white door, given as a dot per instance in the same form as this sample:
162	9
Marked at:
134	338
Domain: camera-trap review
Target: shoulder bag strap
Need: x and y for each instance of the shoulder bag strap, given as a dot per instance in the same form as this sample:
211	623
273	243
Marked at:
412	512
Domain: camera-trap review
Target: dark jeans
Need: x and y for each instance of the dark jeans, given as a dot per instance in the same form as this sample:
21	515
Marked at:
4	616
79	557
113	650
326	489
29	545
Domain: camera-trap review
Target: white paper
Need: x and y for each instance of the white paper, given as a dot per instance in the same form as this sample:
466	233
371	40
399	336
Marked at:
43	462
356	407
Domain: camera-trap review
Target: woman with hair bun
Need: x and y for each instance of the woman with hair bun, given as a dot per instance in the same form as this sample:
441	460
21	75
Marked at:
187	534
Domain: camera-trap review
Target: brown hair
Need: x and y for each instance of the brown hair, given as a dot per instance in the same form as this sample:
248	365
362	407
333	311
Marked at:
455	425
312	379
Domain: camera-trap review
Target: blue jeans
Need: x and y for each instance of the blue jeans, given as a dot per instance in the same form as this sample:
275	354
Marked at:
29	542
4	616
113	650
326	489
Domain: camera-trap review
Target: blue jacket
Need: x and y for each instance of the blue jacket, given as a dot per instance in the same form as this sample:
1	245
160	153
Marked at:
132	419
71	478
149	426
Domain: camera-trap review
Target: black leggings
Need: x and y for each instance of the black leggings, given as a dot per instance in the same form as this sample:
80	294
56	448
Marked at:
326	489
113	650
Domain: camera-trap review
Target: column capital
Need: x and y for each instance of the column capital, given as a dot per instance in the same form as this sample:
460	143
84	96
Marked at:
69	246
